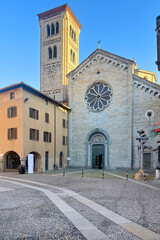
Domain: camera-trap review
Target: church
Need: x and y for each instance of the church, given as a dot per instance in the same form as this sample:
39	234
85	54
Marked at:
96	106
108	95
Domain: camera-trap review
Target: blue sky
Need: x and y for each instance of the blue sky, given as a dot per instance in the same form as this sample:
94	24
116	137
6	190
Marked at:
125	28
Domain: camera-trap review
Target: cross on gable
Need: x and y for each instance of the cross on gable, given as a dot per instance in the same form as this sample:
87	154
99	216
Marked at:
99	44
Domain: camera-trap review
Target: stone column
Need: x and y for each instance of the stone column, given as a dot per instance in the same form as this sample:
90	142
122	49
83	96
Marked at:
89	155
105	156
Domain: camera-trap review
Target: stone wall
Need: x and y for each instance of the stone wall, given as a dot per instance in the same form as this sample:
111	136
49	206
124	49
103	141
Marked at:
146	96
115	120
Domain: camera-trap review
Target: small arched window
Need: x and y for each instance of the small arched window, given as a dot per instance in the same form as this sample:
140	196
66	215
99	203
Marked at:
48	31
53	29
54	51
75	37
72	34
57	27
70	31
50	52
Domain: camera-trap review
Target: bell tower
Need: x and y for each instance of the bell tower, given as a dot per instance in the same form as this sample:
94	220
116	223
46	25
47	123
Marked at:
59	50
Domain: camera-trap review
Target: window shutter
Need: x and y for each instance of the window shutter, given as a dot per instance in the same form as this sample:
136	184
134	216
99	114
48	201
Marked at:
8	112
15	111
14	133
37	117
37	135
9	134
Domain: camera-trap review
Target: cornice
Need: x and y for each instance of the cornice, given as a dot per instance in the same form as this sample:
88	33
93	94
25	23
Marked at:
146	86
100	56
51	41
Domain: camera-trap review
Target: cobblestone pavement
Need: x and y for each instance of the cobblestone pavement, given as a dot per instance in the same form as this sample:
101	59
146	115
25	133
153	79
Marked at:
27	213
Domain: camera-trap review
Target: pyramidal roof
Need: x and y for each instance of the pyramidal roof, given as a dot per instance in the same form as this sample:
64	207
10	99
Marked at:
58	10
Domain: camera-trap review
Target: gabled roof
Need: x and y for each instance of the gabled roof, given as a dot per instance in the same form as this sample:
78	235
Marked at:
58	10
34	91
104	53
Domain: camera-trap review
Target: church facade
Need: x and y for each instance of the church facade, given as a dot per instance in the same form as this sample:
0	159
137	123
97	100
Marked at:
109	105
109	99
107	94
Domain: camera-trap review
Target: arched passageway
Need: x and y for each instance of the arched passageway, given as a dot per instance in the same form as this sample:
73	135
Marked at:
12	160
37	161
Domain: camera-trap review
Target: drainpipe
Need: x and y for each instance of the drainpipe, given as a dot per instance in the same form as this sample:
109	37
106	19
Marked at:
54	137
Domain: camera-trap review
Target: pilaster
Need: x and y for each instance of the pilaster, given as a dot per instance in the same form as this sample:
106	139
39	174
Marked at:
2	165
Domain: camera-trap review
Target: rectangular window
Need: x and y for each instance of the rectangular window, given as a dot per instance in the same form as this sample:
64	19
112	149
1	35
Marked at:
33	113
34	134
63	140
12	112
11	95
64	123
47	137
12	133
46	117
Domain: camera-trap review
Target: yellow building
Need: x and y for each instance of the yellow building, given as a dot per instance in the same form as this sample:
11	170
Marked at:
150	76
31	122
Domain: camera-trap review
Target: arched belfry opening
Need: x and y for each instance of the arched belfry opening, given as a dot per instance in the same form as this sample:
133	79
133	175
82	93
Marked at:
97	150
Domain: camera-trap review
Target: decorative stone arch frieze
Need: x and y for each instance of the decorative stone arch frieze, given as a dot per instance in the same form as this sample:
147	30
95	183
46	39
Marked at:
156	94
146	88
101	59
151	91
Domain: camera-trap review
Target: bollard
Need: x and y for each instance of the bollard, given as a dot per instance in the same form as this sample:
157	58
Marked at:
103	174
144	174
82	172
41	170
63	172
126	175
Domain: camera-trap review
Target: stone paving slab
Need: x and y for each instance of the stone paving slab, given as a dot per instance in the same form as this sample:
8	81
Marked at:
125	197
82	224
27	214
3	189
143	233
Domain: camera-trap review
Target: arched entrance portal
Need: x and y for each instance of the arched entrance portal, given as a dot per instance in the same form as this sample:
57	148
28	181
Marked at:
12	160
97	151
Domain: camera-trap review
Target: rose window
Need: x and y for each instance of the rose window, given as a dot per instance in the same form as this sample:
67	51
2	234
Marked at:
98	97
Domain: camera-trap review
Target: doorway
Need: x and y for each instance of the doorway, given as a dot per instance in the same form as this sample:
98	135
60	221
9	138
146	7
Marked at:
98	156
146	160
46	160
61	160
